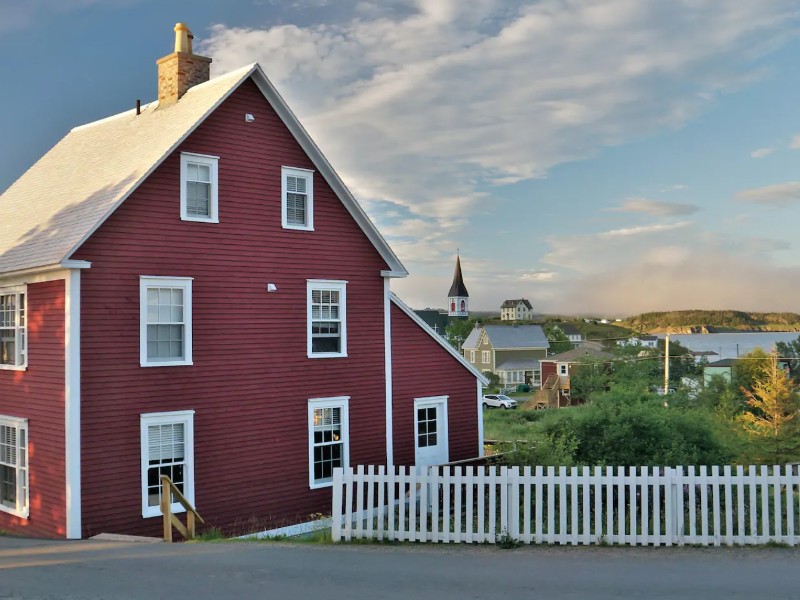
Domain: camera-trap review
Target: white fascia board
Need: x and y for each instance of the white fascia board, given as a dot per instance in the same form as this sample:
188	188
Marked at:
326	170
387	341
439	340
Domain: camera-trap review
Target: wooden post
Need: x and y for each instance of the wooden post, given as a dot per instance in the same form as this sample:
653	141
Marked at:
166	508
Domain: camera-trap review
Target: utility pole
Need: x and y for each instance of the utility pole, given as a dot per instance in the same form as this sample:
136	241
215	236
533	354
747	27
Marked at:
666	370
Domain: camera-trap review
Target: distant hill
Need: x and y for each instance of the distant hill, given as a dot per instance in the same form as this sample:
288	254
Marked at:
710	321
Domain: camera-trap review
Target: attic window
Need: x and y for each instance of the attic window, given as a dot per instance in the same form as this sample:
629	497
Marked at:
297	198
13	350
199	188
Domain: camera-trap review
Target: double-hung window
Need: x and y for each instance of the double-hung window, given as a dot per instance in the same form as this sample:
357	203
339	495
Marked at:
14	466
485	358
13	346
327	322
199	188
329	441
165	321
167	446
297	198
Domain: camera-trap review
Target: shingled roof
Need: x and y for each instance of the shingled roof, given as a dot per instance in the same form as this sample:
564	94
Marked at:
514	303
61	200
458	289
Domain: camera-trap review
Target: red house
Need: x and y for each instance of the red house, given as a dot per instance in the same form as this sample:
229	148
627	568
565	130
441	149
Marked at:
188	288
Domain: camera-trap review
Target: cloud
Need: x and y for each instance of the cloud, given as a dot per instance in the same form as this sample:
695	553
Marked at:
778	195
429	110
656	208
761	152
795	143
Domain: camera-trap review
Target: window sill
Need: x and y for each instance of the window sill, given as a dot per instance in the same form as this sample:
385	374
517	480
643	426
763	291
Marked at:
22	514
299	227
150	513
167	364
328	355
199	219
321	485
13	368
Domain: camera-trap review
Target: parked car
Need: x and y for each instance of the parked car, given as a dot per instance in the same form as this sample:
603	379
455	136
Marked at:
499	401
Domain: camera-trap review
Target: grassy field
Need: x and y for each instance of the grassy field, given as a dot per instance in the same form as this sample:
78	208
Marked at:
510	425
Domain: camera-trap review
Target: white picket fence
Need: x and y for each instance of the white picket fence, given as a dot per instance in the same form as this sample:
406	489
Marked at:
627	506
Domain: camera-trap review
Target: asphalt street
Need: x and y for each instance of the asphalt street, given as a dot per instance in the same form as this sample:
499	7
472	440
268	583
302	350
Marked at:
39	570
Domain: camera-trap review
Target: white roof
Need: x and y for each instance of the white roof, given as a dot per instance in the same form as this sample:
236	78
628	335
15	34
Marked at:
62	199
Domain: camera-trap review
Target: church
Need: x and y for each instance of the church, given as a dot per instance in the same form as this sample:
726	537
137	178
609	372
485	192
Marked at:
457	304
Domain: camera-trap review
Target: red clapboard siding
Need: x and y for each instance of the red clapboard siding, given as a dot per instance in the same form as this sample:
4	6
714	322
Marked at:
251	378
421	367
548	368
37	394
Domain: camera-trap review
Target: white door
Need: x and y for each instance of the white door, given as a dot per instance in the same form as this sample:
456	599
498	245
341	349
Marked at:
430	431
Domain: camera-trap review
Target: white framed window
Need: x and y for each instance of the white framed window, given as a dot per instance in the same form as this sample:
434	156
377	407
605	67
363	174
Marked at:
13	328
199	183
297	198
327	318
167	446
14	483
165	321
472	356
563	369
328	439
485	357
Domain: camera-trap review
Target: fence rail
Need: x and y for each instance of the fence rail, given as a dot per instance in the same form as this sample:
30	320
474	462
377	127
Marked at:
622	505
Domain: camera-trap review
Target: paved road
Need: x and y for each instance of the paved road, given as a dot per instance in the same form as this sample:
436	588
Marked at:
123	570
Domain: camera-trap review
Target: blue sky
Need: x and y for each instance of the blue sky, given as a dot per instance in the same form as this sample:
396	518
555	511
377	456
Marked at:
594	156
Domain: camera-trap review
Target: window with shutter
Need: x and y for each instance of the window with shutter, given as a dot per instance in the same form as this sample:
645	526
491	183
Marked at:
14	487
167	449
199	188
13	350
166	321
328	438
297	198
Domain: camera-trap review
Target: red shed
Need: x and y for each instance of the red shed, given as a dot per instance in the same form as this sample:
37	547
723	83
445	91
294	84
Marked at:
190	289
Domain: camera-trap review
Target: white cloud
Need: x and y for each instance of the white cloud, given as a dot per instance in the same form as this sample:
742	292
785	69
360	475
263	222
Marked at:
655	208
761	152
795	143
425	108
777	195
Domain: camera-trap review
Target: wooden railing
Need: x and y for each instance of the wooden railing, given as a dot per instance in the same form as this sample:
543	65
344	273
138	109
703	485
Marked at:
168	491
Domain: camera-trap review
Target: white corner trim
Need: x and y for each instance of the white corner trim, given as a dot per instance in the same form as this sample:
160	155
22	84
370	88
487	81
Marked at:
439	340
387	341
72	401
481	448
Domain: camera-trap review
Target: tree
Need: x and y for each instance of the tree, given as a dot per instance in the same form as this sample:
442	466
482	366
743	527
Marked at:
457	331
589	377
559	342
772	421
749	368
790	351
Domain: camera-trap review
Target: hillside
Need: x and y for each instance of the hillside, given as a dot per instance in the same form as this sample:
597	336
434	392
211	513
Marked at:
709	321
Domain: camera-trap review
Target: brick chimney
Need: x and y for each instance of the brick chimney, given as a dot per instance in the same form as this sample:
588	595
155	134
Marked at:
182	69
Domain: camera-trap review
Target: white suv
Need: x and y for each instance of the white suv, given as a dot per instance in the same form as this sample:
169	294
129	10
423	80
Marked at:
499	401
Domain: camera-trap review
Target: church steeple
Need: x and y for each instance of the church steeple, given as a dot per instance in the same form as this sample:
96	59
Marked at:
458	298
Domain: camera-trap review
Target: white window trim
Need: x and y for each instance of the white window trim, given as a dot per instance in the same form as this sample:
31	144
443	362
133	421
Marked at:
325	284
485	357
443	433
23	504
213	163
342	403
162	418
22	355
152	281
308	175
472	356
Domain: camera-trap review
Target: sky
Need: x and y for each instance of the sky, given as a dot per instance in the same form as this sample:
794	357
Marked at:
597	157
